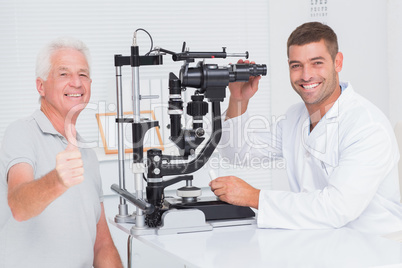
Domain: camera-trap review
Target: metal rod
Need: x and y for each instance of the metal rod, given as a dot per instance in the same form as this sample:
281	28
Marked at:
138	180
136	93
240	55
148	208
129	251
123	210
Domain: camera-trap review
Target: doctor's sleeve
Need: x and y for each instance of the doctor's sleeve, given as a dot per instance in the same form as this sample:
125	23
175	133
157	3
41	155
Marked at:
242	138
366	158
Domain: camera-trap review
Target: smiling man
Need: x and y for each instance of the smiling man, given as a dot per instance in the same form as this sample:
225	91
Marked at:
340	150
67	86
51	200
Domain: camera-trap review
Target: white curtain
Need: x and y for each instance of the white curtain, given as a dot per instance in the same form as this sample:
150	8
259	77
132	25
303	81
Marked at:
107	28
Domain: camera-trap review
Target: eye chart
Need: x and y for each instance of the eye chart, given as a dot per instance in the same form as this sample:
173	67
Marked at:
319	9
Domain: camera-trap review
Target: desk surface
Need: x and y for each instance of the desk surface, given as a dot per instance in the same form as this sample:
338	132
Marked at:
249	246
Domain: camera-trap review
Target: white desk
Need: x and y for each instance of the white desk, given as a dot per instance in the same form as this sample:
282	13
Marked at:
248	246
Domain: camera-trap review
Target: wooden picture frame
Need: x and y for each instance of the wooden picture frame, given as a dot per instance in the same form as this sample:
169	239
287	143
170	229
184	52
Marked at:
108	131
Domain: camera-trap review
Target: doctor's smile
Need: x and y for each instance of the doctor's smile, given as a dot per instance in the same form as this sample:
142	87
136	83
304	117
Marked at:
310	86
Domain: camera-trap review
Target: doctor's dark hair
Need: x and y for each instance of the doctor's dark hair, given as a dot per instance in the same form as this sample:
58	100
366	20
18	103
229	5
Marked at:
312	32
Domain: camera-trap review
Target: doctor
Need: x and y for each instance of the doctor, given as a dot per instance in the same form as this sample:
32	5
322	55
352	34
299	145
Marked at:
340	150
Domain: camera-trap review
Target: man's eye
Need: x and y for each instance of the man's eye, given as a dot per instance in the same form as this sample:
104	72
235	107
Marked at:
318	63
295	66
84	77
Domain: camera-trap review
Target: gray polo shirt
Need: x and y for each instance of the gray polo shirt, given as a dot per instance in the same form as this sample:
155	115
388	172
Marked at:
64	234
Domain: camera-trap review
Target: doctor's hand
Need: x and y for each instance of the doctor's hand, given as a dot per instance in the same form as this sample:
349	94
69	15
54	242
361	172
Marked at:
69	165
243	91
240	94
235	191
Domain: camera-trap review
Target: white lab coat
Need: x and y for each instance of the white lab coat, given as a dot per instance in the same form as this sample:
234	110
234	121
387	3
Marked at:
343	173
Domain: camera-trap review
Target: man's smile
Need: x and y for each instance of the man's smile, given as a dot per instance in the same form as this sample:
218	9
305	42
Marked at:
310	86
74	95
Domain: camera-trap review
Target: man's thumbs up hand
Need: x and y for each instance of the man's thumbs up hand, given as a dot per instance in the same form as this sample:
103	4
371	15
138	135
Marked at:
69	165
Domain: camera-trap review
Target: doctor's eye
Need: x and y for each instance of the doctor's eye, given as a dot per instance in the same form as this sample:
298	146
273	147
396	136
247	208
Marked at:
295	66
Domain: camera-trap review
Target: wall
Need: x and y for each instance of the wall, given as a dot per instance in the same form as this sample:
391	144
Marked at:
394	33
361	27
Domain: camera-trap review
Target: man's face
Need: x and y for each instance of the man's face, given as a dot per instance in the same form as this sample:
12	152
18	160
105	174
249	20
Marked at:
68	84
313	74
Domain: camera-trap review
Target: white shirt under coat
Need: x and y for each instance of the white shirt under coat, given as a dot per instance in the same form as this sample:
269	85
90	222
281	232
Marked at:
343	173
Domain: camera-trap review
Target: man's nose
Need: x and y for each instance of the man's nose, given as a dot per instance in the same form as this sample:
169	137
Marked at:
307	73
76	81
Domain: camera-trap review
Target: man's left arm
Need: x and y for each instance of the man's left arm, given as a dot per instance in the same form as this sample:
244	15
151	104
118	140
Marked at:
105	252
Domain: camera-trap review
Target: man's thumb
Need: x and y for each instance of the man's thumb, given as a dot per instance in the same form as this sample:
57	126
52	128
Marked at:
71	147
71	135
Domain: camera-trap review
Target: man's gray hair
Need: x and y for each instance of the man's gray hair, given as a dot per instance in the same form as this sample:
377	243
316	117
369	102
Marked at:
43	63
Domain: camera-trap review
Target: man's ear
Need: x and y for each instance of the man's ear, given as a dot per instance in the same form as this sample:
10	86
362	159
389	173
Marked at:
338	62
40	86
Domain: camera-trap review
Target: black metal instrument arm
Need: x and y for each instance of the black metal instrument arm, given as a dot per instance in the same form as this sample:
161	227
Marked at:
168	169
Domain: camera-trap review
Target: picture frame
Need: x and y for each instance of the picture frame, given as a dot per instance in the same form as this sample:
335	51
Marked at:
108	132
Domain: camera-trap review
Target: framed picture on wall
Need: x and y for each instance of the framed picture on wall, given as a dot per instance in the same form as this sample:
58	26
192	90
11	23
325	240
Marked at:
108	132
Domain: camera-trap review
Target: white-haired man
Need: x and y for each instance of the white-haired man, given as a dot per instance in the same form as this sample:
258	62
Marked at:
51	201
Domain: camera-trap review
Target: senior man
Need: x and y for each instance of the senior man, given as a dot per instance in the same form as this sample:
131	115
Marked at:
51	200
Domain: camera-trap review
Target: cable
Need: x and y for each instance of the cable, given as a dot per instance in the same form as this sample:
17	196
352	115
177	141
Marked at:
150	37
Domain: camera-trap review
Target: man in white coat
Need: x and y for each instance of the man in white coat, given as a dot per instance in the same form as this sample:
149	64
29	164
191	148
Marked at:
340	150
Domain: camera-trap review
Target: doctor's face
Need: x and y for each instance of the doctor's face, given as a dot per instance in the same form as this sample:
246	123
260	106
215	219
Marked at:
314	74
